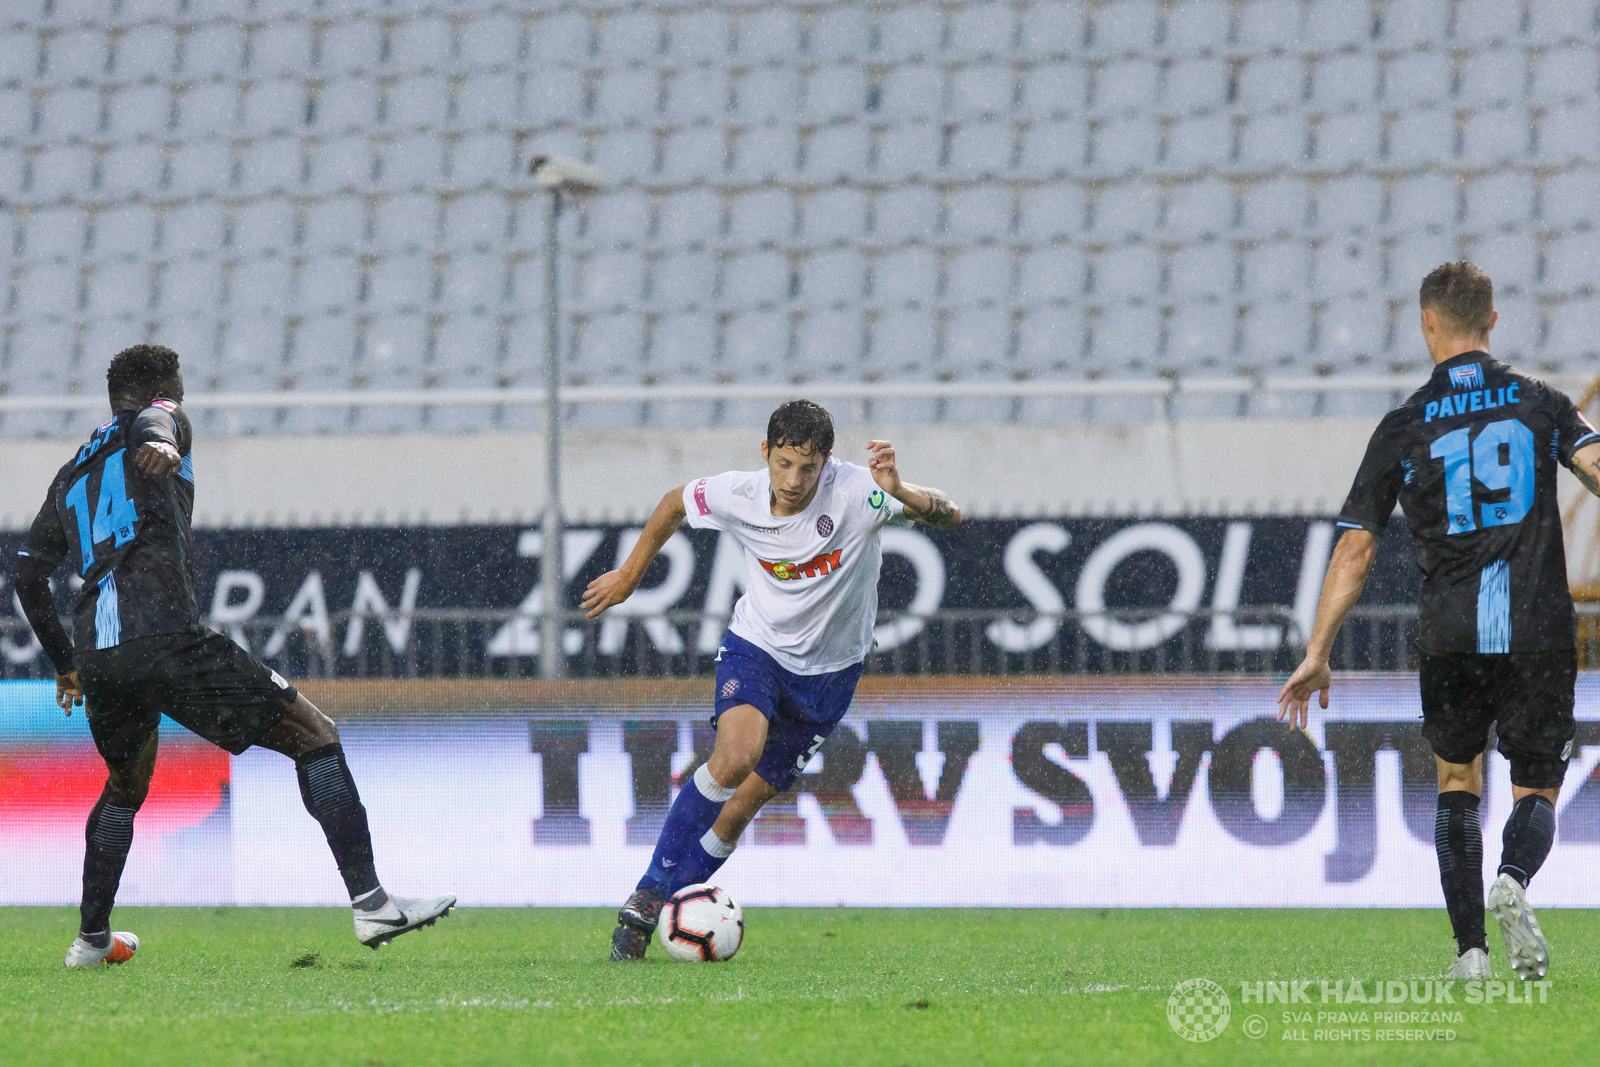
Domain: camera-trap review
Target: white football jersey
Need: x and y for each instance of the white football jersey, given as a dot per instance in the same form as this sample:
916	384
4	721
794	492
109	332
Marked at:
811	594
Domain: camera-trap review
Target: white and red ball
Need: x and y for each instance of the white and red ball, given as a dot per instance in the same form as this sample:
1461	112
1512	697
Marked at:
701	924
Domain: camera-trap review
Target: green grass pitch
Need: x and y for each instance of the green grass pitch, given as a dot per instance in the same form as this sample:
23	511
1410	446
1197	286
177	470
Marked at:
811	987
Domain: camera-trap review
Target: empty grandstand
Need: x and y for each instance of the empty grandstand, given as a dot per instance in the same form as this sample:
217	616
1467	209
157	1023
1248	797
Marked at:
306	196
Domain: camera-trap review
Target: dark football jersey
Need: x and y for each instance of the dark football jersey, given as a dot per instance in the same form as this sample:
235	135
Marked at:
125	534
1472	459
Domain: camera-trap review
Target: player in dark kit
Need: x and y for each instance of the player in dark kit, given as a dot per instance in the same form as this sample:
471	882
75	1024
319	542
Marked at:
1471	458
120	511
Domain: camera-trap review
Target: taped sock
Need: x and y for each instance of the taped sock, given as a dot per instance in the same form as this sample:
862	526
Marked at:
108	835
697	807
1458	840
329	794
1529	833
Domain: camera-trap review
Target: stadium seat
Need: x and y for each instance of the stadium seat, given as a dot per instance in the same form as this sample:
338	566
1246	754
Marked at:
1347	265
1515	338
1416	23
1412	257
1195	85
1272	140
401	222
766	94
1198	270
982	150
118	288
1054	90
1421	202
47	290
700	94
280	48
913	31
682	347
1572	263
1125	272
65	113
906	152
978	213
490	39
334	223
1196	26
903	214
1569	133
903	342
194	338
755	343
1487	22
693	216
273	107
1200	337
703	34
75	55
831	278
683	280
1345	80
1345	205
103	338
1126	340
1501	199
906	276
611	280
63	172
1199	143
1125	86
1494	137
488	99
978	275
1269	82
1274	334
1348	139
911	91
1493	77
981	91
197	227
1570	198
1051	273
976	341
1122	145
401	282
54	234
253	285
1198	209
756	279
139	109
551	96
328	283
1051	149
418	102
122	230
145	51
477	220
833	92
767	216
1417	79
341	164
692	155
1124	210
1124	27
270	165
1566	74
1050	340
836	152
207	108
414	161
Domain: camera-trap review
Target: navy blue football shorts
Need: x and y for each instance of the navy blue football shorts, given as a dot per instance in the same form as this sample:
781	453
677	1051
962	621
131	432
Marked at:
801	709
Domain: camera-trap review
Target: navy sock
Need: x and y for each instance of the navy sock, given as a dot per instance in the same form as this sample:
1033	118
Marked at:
697	807
701	860
329	793
1458	839
107	837
1529	833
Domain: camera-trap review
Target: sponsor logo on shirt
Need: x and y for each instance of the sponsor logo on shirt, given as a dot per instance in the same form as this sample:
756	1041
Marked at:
875	501
700	496
1467	376
785	571
825	526
760	529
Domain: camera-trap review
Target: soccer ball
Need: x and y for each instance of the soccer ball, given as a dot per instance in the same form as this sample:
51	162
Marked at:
701	924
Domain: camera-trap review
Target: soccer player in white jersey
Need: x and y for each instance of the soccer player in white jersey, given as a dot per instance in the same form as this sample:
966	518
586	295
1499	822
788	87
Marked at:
788	665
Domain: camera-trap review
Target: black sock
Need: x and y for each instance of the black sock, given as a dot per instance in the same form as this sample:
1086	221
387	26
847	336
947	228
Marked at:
330	796
1458	839
107	838
1529	833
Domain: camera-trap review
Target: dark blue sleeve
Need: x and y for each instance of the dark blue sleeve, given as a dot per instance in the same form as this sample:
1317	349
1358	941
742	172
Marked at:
1377	486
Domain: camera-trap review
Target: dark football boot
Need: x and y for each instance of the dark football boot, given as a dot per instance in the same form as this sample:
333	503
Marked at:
636	921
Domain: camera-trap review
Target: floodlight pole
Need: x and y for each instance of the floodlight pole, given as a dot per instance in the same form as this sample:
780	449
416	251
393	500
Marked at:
553	625
557	174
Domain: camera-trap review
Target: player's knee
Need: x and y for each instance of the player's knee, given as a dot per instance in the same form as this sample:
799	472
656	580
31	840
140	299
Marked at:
731	764
128	789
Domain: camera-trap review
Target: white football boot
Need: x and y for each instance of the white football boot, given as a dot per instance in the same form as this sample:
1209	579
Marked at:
400	915
121	949
1472	965
1525	943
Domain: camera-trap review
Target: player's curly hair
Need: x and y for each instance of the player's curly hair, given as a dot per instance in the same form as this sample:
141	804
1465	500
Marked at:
1462	295
142	370
801	425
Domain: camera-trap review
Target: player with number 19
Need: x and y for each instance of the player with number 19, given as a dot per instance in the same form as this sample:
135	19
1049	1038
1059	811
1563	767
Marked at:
1471	458
809	525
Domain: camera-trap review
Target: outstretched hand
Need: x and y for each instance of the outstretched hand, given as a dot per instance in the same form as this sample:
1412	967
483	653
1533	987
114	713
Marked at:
882	466
1294	699
158	459
606	591
69	692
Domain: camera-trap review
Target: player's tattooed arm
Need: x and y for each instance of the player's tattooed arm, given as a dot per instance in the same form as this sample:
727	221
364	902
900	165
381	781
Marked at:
929	506
613	587
936	509
1586	466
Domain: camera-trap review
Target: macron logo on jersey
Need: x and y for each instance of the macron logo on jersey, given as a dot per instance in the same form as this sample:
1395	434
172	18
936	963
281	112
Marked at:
1467	376
824	564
